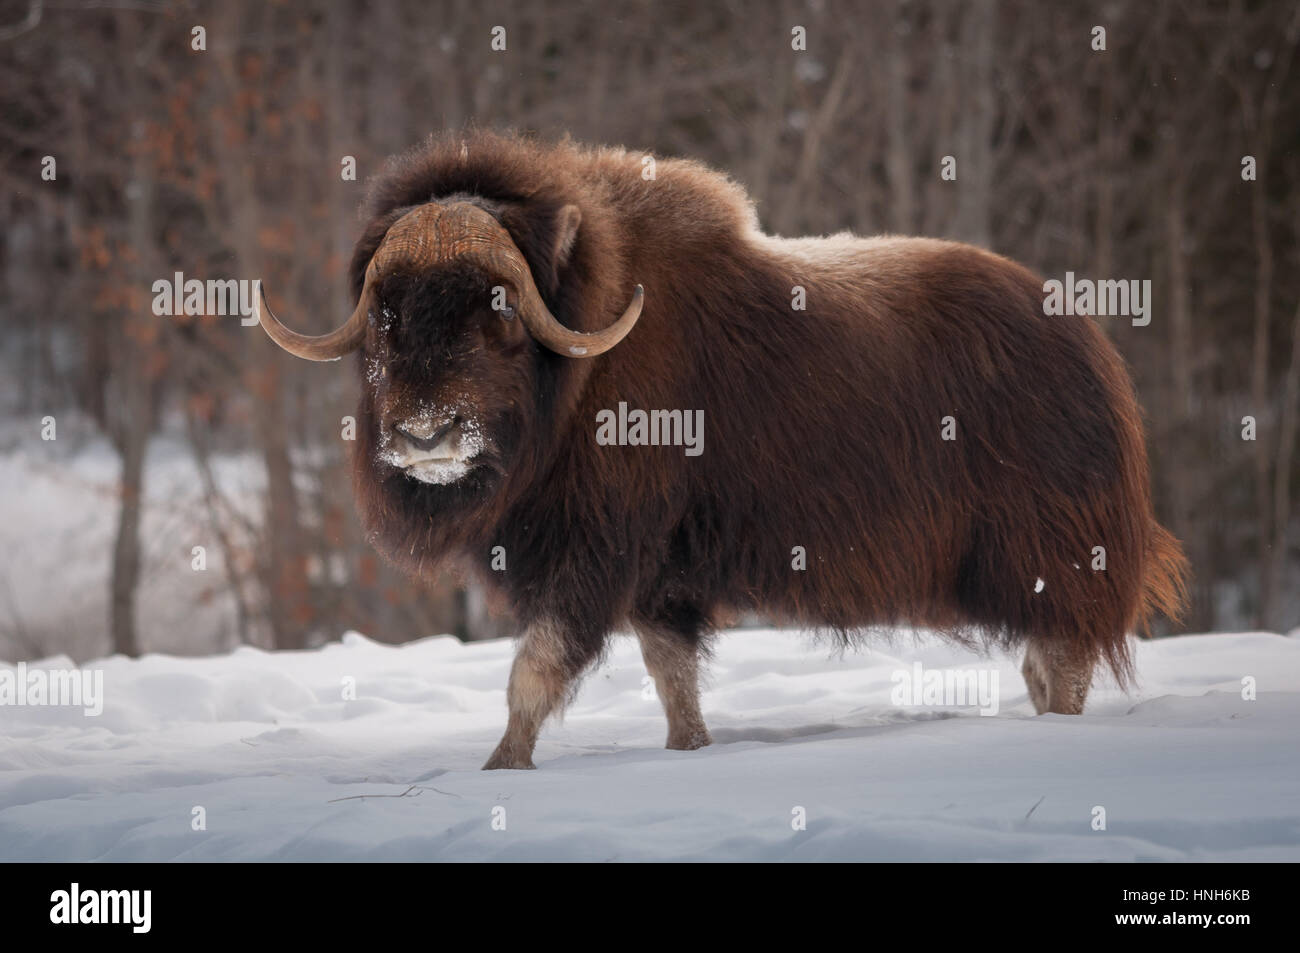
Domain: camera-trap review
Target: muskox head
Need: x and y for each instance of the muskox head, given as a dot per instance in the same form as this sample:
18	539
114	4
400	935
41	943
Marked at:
449	321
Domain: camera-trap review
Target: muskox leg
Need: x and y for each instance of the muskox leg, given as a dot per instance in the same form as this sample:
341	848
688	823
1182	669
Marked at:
1058	676
540	683
674	664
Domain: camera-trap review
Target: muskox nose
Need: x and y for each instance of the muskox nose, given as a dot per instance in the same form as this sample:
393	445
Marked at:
426	436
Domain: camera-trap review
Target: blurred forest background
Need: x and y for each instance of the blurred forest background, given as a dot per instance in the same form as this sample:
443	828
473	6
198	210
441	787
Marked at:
227	162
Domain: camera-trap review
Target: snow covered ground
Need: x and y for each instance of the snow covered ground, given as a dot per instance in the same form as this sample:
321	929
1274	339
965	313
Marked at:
266	751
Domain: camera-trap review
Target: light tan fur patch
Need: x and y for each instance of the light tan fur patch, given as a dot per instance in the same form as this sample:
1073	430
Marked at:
675	668
539	687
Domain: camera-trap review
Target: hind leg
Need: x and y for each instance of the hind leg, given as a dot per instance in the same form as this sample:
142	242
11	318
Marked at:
673	661
1058	676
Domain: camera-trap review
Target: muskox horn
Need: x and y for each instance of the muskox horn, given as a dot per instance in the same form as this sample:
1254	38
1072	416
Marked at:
436	233
323	347
468	232
550	332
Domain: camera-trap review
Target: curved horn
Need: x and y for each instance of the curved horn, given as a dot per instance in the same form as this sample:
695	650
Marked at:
323	347
434	233
479	237
550	332
407	240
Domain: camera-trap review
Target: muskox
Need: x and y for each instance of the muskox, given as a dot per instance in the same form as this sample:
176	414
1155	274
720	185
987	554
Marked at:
917	444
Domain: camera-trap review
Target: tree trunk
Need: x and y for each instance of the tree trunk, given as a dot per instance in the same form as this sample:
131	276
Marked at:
975	131
899	156
126	548
1259	400
1282	477
130	409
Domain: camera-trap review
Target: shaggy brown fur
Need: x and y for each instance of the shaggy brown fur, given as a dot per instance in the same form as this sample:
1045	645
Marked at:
822	431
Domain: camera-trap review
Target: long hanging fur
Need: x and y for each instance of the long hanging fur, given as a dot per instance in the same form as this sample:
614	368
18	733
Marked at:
823	427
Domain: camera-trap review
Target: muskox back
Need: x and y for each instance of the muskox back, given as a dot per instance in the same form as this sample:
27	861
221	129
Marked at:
944	453
940	451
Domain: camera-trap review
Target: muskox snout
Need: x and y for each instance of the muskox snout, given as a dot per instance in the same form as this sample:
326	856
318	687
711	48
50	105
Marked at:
433	447
424	434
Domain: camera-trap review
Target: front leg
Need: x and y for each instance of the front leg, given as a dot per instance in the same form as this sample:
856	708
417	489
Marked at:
542	681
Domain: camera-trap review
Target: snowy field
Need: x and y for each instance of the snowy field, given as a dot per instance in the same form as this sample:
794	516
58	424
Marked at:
264	748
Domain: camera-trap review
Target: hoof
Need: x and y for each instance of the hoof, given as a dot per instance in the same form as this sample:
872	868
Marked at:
504	761
689	742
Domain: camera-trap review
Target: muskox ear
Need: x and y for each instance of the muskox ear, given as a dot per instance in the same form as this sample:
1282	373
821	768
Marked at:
566	233
547	240
368	244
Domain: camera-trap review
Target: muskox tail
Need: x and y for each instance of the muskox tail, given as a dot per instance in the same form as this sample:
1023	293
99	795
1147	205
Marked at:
1164	579
1160	589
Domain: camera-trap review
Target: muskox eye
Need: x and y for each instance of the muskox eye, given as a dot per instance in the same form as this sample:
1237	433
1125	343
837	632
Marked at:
507	312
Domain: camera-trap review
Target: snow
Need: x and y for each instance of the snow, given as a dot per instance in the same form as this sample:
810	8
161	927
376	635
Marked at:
284	768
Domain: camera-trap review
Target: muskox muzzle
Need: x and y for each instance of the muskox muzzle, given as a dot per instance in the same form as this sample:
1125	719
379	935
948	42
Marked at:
436	234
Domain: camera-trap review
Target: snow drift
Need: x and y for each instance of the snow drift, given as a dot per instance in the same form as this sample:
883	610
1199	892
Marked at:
360	751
